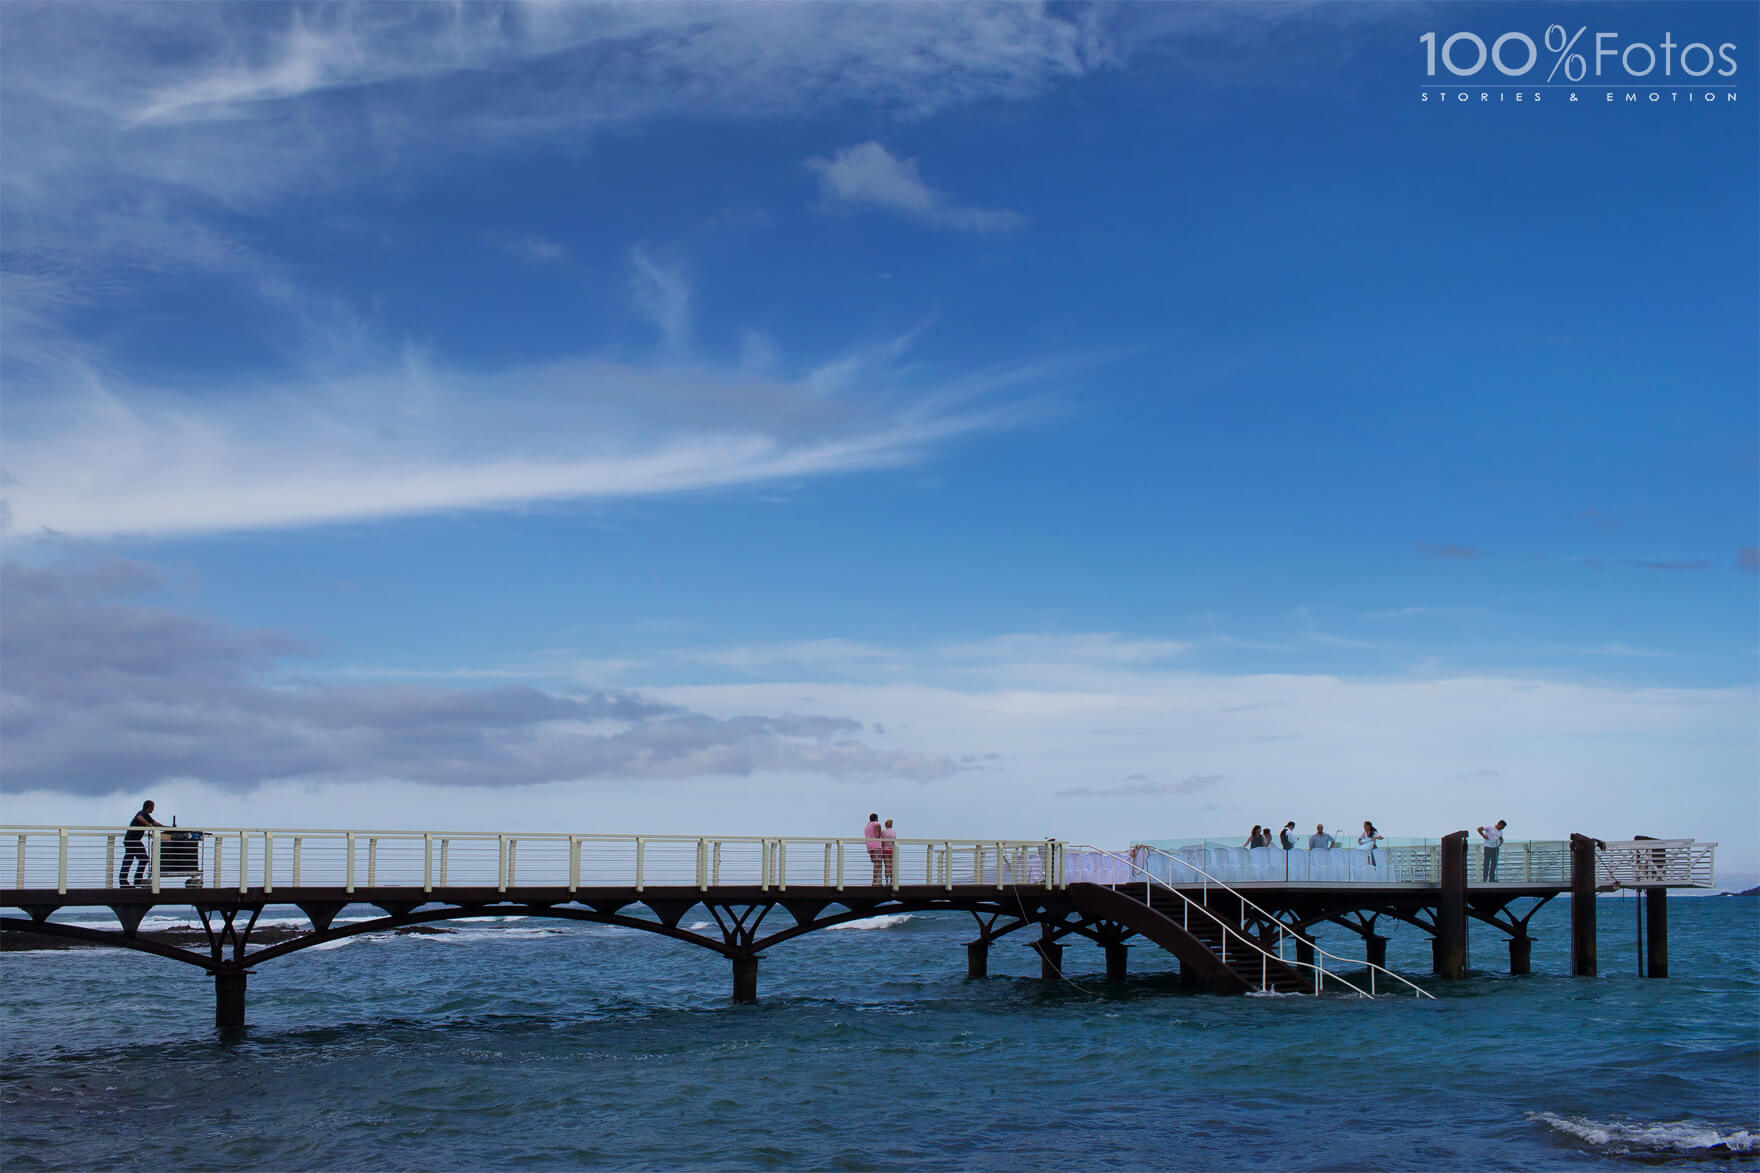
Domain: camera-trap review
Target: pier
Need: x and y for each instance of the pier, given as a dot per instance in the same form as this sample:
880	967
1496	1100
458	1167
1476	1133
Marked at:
1234	920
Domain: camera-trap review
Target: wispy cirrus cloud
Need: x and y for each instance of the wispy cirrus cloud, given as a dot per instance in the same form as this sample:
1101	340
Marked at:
101	455
867	175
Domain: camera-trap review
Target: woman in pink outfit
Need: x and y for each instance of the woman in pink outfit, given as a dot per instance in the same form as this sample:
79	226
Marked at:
872	835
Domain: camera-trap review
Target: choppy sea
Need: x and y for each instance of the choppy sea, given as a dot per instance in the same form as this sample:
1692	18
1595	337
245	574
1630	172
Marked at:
529	1044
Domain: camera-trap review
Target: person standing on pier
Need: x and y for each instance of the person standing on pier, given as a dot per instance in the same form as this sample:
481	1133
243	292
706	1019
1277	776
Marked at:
1320	840
887	852
1493	836
871	833
134	849
1287	838
1368	839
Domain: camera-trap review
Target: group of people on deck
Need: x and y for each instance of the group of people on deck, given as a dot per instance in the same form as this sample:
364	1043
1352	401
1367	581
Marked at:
1290	839
879	837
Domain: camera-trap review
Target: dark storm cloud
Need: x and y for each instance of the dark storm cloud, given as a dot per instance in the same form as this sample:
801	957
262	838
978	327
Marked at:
99	692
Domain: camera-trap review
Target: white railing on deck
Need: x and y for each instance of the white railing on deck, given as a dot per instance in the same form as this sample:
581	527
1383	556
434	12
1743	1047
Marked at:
286	861
1657	863
1139	872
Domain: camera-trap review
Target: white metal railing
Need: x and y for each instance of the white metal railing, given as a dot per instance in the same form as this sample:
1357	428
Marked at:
1238	930
282	860
1657	863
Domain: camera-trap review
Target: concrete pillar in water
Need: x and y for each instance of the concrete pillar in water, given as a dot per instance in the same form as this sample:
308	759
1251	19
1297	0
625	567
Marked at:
1656	925
1376	947
1115	961
1449	950
1582	906
745	978
229	999
1304	951
977	959
1521	951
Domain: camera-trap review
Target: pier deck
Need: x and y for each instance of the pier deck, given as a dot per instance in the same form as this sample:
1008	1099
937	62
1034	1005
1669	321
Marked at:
1229	933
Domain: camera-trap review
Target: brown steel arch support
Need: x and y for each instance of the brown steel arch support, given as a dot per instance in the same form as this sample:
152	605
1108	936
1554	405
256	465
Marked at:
1450	944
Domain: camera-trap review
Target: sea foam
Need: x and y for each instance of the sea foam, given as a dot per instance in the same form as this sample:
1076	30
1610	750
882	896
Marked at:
1678	1136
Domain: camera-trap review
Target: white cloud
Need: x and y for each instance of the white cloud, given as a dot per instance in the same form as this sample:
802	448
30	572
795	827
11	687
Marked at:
534	248
661	293
98	455
868	175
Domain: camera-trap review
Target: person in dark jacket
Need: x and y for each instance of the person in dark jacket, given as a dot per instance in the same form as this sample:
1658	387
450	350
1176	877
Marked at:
134	849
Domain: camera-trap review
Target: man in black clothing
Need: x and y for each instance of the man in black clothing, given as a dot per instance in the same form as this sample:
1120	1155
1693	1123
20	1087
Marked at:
133	849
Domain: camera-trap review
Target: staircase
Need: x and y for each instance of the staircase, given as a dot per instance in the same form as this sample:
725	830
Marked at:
1229	960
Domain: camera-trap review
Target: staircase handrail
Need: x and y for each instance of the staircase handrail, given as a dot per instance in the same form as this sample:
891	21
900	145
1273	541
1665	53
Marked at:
1283	930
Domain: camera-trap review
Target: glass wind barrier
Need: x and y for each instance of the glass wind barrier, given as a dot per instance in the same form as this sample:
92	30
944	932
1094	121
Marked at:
1389	860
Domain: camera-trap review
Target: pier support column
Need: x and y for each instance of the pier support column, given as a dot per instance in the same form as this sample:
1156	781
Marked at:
1521	951
1376	950
1582	905
1050	956
229	999
1449	954
1656	925
977	959
1115	961
1304	951
745	978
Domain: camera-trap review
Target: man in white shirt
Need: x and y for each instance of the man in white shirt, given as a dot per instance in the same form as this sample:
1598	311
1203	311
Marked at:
1493	836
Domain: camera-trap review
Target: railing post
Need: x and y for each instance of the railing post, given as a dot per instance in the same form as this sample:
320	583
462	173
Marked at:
947	865
21	842
782	867
219	857
763	865
372	861
445	855
297	840
574	863
348	879
702	865
840	865
427	861
512	862
244	855
268	862
109	858
153	834
641	845
715	879
61	863
828	865
500	863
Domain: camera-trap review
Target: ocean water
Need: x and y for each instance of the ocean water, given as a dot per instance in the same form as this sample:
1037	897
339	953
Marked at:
530	1044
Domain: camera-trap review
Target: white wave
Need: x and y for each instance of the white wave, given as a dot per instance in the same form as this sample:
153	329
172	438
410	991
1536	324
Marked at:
698	926
888	921
1678	1136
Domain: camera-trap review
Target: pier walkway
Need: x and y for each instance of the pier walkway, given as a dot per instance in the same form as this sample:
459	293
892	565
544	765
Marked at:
1235	923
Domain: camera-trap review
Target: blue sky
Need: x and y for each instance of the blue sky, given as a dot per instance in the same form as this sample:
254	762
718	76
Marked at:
1030	420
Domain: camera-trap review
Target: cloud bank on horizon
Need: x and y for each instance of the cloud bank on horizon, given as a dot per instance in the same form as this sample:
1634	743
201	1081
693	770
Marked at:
1044	419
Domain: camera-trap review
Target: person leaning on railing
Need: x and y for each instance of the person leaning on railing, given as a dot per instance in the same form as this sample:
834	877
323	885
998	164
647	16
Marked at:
1320	840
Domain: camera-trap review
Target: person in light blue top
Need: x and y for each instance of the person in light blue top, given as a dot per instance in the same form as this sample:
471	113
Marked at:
1320	840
